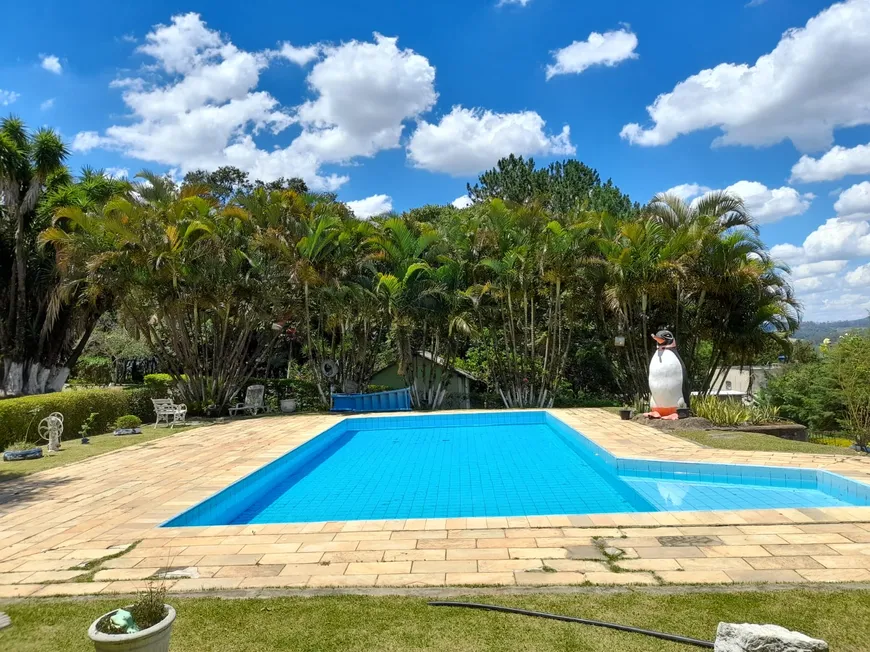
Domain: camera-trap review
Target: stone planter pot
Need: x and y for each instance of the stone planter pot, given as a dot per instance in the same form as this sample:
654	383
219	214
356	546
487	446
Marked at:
128	431
29	454
288	405
153	639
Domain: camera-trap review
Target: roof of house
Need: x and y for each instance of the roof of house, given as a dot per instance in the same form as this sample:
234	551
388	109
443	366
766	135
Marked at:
437	359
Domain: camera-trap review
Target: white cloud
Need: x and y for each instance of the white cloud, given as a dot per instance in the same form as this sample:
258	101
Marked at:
47	104
817	79
364	93
85	141
51	63
836	239
608	49
117	173
807	284
836	163
769	205
687	191
859	277
371	206
204	109
755	3
299	55
854	202
464	201
521	3
8	97
467	141
821	268
765	204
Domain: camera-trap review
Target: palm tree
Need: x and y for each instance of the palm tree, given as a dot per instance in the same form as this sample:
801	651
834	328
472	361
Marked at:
28	161
190	274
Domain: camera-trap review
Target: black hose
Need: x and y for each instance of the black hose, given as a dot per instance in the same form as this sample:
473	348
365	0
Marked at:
570	619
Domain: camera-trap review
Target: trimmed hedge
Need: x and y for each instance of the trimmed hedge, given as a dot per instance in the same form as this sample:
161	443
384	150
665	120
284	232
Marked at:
76	406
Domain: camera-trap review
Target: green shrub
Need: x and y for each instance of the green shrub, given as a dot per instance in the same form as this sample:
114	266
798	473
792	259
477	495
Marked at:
139	400
94	370
807	393
127	421
158	381
21	445
731	412
76	406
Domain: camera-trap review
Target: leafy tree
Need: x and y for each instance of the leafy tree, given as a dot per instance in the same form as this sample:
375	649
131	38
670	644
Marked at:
228	182
850	362
561	188
44	322
191	276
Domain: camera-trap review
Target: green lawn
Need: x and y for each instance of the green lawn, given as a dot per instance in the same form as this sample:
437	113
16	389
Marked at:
73	451
322	624
749	441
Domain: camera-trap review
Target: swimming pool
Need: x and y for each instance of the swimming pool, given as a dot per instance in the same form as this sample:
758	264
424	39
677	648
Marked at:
494	464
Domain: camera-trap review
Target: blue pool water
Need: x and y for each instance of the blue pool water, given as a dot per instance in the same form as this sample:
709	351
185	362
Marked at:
494	464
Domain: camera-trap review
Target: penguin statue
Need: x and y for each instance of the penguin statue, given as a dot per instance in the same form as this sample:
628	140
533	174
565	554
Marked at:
668	380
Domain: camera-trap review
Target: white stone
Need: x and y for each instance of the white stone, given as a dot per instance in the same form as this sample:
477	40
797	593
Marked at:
733	637
191	572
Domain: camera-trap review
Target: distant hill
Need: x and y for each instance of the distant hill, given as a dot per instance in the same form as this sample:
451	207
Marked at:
817	331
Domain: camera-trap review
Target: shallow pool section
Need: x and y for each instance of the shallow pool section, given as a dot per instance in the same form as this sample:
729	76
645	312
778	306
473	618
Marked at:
494	464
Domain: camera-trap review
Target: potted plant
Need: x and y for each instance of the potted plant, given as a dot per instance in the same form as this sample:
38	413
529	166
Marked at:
24	449
129	424
288	405
21	450
144	626
86	428
625	413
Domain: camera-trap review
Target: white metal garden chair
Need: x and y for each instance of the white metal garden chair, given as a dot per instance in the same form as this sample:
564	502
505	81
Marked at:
253	404
171	413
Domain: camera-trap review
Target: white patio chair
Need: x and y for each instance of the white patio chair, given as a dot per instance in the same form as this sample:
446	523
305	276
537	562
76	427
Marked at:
253	404
171	413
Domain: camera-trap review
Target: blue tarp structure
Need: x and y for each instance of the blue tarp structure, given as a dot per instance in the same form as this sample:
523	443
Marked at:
398	400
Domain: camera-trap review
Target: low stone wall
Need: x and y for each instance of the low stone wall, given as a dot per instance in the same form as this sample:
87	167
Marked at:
792	431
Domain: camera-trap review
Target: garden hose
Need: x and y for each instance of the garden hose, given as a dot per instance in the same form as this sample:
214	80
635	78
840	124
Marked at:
570	619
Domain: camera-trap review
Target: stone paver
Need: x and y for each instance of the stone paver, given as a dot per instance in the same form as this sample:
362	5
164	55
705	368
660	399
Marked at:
53	521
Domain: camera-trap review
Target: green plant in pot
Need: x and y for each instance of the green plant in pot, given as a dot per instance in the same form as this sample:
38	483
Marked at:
144	626
24	449
625	412
129	424
86	428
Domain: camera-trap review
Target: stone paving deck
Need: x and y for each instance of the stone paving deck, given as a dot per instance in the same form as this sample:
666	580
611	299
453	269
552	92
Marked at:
53	521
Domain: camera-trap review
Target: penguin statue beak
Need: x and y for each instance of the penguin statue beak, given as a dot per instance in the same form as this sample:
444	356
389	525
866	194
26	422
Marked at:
658	339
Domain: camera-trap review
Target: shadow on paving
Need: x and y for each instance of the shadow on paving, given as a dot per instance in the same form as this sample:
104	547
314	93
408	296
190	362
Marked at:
17	491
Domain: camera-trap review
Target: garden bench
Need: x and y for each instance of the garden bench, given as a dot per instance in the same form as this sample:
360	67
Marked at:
164	408
253	401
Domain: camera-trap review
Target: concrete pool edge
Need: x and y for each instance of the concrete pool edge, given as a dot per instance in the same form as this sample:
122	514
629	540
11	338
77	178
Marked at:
232	498
51	521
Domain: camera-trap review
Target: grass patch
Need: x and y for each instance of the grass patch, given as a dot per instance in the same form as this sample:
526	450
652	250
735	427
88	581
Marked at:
72	450
750	441
324	624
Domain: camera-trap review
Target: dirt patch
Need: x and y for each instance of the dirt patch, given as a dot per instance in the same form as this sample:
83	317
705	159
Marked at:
692	423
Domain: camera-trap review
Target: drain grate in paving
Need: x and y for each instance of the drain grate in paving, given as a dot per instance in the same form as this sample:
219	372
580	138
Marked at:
686	541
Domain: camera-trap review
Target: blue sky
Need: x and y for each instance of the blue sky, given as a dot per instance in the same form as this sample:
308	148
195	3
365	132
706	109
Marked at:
398	104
